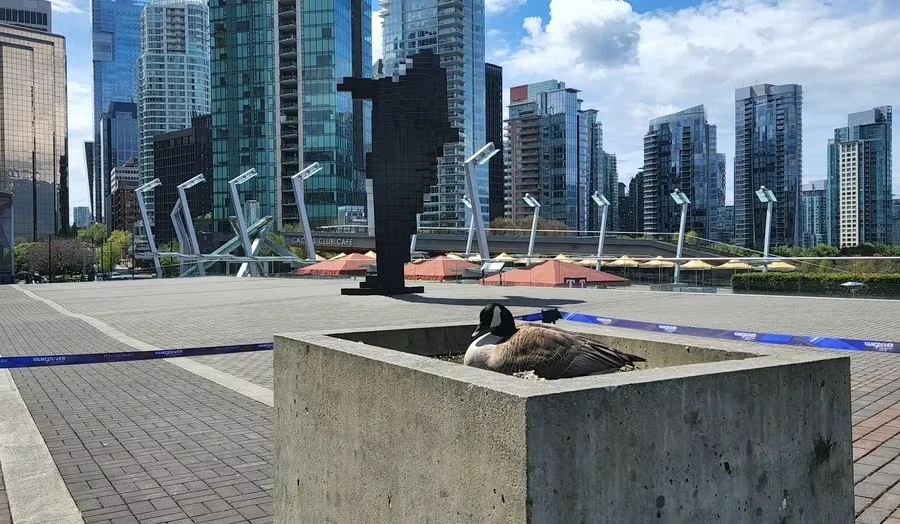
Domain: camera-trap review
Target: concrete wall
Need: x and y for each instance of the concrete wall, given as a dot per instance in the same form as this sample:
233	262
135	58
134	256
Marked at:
370	434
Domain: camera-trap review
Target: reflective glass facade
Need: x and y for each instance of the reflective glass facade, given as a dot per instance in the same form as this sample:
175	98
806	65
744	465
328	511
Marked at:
33	127
815	213
493	115
454	29
680	153
860	167
119	144
173	73
336	43
243	104
768	151
116	35
556	154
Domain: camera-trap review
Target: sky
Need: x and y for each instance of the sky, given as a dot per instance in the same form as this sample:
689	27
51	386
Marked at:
640	59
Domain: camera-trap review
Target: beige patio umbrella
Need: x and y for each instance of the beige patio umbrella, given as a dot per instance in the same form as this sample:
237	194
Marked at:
563	258
586	263
475	258
781	266
735	264
503	257
335	257
370	254
697	265
624	261
658	262
454	256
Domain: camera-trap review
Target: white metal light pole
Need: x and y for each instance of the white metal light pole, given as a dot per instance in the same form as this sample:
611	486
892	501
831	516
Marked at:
680	198
145	218
601	201
480	157
297	181
189	220
239	211
767	197
534	204
468	203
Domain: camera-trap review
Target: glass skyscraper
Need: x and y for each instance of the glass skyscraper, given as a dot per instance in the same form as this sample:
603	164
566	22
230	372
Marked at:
118	144
454	29
768	151
116	35
336	43
173	72
243	103
859	179
680	153
556	151
814	212
33	128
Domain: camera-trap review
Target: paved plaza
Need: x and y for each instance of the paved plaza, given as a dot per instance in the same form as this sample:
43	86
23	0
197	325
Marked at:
191	440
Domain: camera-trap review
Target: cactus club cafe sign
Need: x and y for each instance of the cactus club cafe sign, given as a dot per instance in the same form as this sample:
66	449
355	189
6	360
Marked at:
327	241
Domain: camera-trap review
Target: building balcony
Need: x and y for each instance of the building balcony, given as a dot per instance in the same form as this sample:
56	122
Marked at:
288	56
288	39
288	93
287	10
290	80
287	64
289	24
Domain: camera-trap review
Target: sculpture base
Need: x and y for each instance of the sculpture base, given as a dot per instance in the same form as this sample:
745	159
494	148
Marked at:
380	291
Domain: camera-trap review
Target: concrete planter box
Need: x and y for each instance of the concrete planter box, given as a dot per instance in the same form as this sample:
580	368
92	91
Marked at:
370	429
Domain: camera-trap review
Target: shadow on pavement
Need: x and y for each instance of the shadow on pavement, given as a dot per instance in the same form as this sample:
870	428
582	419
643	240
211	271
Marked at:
508	301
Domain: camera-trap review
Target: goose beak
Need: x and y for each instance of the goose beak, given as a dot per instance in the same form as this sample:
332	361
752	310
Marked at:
480	330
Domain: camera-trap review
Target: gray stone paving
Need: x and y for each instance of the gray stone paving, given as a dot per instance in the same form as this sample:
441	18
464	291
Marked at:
5	517
200	437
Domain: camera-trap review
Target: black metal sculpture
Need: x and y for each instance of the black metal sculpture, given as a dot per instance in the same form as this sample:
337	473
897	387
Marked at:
410	125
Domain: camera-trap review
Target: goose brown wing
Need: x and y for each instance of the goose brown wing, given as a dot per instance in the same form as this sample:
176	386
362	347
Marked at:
554	353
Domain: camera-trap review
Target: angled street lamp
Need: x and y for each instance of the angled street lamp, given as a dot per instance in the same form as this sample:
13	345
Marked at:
767	197
534	204
297	181
480	157
189	220
680	198
468	203
601	201
151	242
239	211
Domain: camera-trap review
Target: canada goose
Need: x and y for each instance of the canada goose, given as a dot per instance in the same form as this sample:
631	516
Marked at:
550	352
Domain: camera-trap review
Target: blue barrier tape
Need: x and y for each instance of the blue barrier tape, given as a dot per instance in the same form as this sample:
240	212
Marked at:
96	358
727	334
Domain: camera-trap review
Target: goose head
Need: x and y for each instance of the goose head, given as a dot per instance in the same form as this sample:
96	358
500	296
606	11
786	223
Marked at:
495	319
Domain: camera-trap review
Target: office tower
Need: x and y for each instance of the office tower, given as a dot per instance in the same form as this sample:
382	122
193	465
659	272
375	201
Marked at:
636	194
768	151
726	225
178	156
118	144
859	179
896	215
507	174
556	153
31	14
336	43
455	31
33	128
89	172
82	216
493	125
680	153
123	180
173	73
63	191
814	213
244	97
116	36
626	212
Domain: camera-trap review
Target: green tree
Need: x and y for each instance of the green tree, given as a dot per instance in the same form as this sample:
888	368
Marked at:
21	254
114	249
95	233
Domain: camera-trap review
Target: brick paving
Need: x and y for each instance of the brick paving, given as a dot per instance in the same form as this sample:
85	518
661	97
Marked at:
199	435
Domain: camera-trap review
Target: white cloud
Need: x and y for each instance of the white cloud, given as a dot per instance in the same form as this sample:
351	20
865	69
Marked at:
81	115
65	7
498	6
632	67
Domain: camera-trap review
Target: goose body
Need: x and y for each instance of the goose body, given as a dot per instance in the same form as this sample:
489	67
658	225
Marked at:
550	352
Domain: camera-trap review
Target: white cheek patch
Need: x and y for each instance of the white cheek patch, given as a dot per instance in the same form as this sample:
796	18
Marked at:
496	321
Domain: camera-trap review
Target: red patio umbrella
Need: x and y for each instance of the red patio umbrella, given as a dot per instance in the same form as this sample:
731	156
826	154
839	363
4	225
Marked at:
438	269
554	273
352	264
